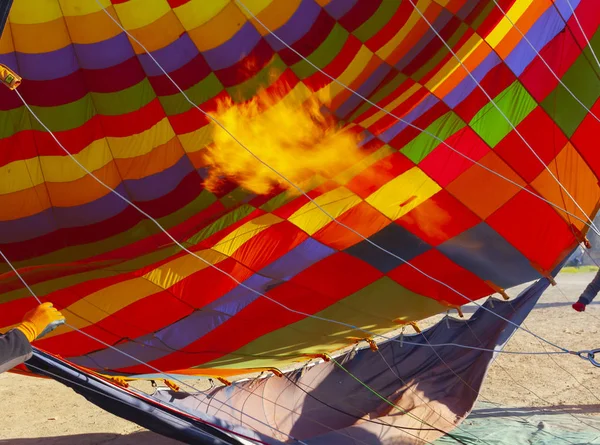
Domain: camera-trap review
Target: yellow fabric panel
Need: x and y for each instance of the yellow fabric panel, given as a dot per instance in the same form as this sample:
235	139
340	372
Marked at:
35	199
504	26
174	271
82	7
346	176
101	304
235	239
92	28
219	29
387	49
22	174
256	6
577	177
35	11
197	12
62	168
335	202
524	23
452	65
354	69
274	15
142	143
27	37
403	193
135	14
158	34
390	107
160	159
198	139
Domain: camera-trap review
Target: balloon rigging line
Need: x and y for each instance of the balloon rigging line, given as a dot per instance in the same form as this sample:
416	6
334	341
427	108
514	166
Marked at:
175	242
169	406
291	183
366	100
491	100
170	376
587	41
556	76
190	386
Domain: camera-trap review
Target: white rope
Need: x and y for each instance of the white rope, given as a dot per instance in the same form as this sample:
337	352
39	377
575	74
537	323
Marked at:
517	132
286	179
556	76
245	286
589	44
170	376
371	103
166	404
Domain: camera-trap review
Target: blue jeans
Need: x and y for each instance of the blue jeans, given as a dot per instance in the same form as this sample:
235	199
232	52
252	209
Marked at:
591	290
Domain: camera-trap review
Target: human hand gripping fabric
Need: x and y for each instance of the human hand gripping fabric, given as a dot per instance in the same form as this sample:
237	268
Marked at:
40	321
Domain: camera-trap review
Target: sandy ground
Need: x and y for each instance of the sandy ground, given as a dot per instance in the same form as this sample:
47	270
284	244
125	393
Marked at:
36	411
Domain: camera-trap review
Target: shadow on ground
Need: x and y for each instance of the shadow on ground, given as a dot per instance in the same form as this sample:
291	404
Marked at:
143	437
530	411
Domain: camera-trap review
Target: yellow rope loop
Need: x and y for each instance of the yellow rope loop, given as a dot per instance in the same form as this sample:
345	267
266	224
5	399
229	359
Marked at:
171	385
9	78
276	372
405	323
323	357
497	289
372	344
224	381
543	272
118	381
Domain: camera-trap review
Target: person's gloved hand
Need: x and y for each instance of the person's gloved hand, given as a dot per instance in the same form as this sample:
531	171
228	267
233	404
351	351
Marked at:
579	307
40	321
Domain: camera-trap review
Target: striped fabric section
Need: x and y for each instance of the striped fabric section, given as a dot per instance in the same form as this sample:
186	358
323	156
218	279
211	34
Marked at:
431	188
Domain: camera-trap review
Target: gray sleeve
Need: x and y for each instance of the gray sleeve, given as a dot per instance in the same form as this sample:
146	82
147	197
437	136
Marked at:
591	290
14	349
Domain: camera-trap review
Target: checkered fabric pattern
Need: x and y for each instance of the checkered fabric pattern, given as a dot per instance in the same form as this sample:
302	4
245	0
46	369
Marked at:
118	278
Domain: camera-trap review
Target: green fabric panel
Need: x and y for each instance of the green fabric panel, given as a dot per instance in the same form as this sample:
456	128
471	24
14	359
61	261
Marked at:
75	114
324	54
235	197
443	127
245	90
582	80
278	201
204	90
515	102
483	15
14	120
377	21
387	300
124	101
64	117
220	224
379	95
440	54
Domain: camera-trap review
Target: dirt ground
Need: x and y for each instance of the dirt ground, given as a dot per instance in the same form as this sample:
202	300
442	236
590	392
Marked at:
36	411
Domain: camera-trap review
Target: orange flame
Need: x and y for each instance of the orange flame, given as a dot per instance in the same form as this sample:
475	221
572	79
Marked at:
288	133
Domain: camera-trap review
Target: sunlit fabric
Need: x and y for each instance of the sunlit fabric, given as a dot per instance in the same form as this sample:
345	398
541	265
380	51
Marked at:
478	223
